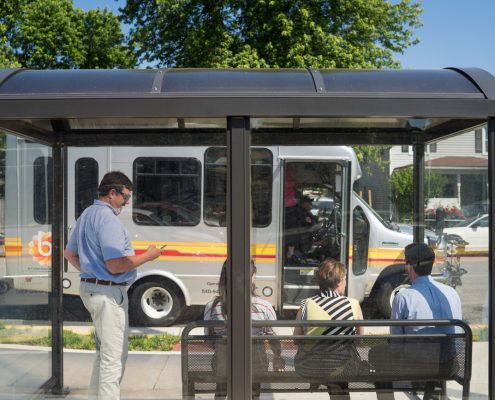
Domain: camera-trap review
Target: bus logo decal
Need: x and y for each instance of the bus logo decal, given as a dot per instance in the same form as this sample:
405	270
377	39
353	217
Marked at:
40	248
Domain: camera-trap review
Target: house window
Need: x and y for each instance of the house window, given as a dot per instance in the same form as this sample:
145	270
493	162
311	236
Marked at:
431	148
480	141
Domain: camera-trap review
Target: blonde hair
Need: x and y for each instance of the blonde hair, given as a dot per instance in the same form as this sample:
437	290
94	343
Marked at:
330	274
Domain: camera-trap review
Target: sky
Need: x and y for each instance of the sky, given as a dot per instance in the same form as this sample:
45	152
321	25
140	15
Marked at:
455	33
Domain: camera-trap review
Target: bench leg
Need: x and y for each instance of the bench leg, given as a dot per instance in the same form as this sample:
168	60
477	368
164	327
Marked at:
339	391
385	391
430	391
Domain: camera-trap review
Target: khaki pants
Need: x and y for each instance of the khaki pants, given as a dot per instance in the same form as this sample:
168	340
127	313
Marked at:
108	307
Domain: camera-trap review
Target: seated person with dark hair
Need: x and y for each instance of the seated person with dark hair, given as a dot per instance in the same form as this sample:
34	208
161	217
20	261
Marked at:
304	224
425	299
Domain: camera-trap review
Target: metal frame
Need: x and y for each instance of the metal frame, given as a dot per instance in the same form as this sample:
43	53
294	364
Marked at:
17	110
491	259
239	256
466	333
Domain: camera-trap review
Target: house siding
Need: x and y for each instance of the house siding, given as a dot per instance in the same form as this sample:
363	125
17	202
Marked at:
459	146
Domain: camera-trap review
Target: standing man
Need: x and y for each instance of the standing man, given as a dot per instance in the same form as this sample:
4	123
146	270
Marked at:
425	299
100	248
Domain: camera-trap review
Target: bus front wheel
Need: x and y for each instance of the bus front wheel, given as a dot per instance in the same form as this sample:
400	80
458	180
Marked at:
387	292
155	303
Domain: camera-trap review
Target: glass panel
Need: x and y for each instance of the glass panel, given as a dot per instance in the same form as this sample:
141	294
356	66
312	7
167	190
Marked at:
147	123
87	81
86	183
399	81
456	208
216	186
360	241
314	207
25	267
42	187
367	207
167	191
237	80
172	290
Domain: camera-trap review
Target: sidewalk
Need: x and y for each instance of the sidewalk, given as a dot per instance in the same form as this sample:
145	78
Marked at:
155	375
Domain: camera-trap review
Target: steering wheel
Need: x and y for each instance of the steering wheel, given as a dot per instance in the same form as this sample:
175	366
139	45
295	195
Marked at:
330	226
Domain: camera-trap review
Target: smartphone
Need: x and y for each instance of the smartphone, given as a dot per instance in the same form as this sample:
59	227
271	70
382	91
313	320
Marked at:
162	247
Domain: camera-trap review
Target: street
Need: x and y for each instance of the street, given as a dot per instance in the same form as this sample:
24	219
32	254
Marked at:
474	290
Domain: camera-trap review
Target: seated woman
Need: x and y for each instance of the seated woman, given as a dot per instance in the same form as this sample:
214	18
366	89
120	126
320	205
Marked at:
261	310
322	359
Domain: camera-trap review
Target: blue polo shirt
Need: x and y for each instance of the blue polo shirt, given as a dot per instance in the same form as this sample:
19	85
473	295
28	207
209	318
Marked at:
426	299
98	236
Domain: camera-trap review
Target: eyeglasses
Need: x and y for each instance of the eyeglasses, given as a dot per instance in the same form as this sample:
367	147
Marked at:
126	196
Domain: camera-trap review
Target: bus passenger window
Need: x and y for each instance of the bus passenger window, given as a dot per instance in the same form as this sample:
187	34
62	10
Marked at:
215	187
167	191
42	190
86	182
360	241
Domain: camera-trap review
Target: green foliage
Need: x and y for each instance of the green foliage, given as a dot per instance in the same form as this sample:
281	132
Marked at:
103	42
368	154
72	340
45	34
434	184
401	190
272	33
163	342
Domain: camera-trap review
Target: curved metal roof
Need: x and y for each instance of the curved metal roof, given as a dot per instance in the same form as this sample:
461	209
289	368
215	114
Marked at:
39	103
446	83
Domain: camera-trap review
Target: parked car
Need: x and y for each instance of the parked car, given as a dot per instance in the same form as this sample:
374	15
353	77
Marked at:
430	236
476	209
474	231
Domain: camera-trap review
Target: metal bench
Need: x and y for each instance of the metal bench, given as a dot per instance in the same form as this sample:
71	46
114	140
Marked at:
399	363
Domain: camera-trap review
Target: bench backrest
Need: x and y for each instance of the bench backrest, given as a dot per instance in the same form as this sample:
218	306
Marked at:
320	359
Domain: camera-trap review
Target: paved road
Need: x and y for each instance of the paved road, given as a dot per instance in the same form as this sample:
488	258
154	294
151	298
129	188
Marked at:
474	289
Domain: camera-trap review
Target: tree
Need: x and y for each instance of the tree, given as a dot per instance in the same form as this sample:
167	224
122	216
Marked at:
401	188
272	33
103	42
7	58
45	34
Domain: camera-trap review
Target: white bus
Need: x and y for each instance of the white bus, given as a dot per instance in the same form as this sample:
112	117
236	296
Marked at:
179	199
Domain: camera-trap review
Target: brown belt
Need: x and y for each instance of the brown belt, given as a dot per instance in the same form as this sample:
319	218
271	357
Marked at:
102	282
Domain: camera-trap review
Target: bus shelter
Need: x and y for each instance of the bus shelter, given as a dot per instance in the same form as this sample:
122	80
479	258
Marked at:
238	110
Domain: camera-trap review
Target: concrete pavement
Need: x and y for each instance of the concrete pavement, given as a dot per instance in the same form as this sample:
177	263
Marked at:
158	376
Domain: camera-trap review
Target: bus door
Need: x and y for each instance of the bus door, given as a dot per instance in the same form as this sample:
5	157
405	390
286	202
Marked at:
84	171
315	203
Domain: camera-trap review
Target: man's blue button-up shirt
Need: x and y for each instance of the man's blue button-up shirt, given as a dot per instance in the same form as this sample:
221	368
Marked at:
98	236
426	299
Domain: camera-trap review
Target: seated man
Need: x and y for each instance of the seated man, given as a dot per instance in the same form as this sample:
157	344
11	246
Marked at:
425	299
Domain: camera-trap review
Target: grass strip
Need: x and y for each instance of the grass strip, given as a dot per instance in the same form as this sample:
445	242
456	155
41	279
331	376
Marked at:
72	340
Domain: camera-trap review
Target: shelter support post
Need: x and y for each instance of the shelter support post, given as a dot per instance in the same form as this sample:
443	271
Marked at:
418	193
491	261
56	298
239	279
